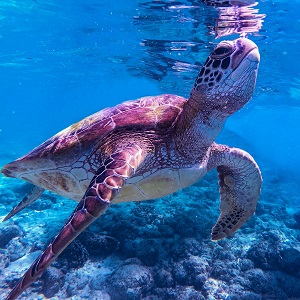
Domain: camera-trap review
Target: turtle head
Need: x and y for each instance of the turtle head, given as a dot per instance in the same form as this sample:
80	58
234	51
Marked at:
227	80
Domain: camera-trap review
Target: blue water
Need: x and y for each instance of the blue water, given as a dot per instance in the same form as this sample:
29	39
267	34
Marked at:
63	60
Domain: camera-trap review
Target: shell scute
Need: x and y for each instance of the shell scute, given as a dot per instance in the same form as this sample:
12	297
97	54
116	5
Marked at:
157	112
165	116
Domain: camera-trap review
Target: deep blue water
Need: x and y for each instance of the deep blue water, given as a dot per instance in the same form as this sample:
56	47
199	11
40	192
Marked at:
63	60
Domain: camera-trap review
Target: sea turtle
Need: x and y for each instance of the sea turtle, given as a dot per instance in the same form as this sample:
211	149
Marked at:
149	148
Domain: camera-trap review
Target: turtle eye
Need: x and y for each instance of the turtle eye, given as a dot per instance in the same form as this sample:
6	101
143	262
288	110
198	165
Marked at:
222	50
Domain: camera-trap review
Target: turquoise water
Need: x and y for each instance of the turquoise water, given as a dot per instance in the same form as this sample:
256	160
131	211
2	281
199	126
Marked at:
63	60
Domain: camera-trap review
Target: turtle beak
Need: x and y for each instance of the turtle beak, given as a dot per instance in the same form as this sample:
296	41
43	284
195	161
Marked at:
245	49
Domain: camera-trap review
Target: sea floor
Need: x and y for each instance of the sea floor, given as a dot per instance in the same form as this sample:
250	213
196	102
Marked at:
159	249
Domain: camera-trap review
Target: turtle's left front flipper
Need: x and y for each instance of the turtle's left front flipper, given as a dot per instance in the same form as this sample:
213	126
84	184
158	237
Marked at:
240	184
105	185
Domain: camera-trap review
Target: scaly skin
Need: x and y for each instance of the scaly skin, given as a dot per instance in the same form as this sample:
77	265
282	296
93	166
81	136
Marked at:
240	184
33	195
103	188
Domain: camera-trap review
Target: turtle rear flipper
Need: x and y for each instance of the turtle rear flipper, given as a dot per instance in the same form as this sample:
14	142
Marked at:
31	196
104	186
240	184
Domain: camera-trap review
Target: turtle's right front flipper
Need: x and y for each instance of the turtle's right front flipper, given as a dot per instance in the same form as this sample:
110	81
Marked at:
32	195
105	185
240	186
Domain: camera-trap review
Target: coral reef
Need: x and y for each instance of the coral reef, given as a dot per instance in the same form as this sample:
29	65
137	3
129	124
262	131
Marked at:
158	249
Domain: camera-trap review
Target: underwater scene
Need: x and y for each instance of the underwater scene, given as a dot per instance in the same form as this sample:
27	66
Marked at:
61	61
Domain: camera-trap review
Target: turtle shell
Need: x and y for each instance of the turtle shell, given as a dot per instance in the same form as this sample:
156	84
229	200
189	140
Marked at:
147	113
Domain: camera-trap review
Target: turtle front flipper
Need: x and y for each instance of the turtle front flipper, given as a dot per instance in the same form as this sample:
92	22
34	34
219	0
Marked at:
240	184
32	195
104	186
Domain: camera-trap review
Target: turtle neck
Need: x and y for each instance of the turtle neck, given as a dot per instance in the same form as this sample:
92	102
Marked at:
197	127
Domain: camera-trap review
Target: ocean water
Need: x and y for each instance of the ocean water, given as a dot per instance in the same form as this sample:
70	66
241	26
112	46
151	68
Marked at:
61	61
